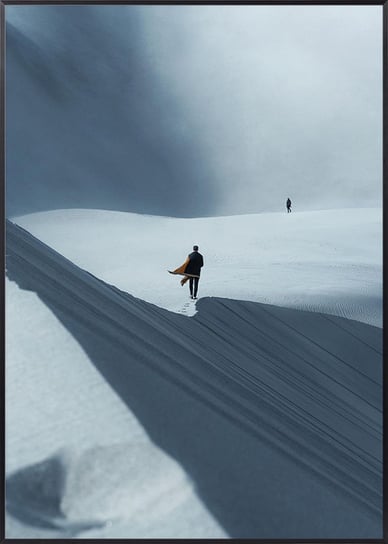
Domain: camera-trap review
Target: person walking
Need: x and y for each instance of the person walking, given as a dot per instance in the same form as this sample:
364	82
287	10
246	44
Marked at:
191	270
288	204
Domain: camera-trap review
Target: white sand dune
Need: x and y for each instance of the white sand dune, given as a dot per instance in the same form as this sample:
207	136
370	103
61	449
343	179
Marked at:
270	417
327	261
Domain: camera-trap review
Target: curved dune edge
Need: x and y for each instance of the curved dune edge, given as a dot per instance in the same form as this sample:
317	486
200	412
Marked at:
301	390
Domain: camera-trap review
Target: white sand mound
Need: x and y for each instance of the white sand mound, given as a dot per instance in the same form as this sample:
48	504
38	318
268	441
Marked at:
328	261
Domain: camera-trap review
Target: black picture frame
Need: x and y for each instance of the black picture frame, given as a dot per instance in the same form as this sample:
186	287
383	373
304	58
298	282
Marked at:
3	5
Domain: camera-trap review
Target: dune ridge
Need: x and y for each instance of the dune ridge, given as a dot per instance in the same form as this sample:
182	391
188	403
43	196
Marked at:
305	387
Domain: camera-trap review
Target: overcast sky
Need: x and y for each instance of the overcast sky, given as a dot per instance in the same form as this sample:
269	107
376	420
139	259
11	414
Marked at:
193	110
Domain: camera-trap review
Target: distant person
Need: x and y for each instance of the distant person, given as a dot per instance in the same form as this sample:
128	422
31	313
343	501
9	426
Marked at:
191	270
288	204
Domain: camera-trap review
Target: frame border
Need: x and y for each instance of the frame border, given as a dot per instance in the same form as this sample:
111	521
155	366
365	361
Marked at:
384	4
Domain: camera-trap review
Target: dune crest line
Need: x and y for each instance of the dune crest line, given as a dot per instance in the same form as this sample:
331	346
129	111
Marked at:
307	387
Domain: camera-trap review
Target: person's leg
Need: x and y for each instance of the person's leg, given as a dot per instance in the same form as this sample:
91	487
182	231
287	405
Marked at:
196	281
191	286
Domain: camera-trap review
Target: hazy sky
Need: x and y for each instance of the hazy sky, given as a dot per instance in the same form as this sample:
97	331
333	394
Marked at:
193	110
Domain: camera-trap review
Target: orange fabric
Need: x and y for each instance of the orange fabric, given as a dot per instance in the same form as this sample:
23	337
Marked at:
181	270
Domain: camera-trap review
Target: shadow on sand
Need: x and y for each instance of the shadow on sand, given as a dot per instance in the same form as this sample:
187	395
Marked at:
273	413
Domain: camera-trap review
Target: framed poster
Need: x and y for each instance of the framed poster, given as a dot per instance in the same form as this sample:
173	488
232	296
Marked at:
193	271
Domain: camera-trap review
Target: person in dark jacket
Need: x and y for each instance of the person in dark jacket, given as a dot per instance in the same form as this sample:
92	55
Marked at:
193	270
288	204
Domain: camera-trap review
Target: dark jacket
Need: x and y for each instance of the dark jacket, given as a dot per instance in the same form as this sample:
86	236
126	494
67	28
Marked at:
195	264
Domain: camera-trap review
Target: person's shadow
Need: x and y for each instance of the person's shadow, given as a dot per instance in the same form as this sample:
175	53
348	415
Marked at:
186	380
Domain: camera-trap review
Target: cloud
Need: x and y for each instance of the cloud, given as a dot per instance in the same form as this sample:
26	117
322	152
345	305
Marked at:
194	110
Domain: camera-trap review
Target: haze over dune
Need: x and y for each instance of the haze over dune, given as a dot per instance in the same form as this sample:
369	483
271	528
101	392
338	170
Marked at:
193	110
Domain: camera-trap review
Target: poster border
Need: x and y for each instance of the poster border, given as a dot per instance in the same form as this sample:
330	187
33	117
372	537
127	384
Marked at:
384	4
